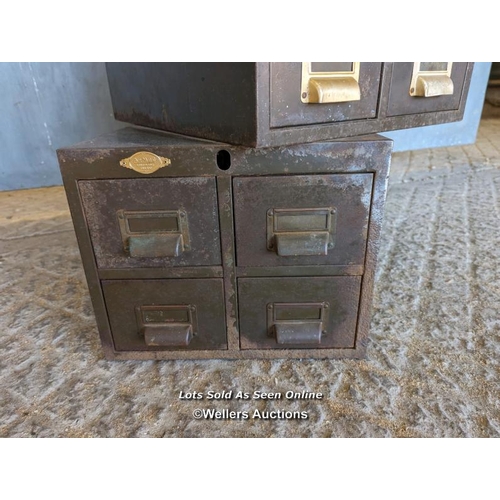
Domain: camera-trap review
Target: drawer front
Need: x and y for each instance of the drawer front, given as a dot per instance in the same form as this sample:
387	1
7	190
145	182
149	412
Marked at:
298	313
302	219
166	314
152	222
294	83
435	87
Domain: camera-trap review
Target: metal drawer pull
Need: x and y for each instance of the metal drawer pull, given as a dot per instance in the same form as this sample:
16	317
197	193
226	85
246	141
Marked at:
292	244
297	323
298	333
159	233
301	232
174	335
431	79
167	326
330	82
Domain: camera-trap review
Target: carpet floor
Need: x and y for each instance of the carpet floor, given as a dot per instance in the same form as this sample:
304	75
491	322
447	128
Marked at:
433	362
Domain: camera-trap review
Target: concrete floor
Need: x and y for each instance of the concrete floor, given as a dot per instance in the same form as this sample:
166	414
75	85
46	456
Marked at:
432	368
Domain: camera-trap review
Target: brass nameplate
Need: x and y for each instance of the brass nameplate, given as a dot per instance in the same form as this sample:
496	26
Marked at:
145	162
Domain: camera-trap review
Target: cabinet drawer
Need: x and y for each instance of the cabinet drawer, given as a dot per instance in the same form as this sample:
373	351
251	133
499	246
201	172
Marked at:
302	219
282	313
152	222
290	88
166	314
435	87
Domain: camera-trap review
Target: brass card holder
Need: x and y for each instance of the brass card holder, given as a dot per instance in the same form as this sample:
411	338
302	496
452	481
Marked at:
158	233
431	79
330	82
167	326
301	232
297	323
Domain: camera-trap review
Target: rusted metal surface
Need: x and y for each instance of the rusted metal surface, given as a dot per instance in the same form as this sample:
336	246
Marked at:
348	194
124	297
258	295
194	199
100	158
350	174
243	272
259	104
162	272
225	197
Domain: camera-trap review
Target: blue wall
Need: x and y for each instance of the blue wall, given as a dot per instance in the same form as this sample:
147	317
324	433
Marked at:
44	106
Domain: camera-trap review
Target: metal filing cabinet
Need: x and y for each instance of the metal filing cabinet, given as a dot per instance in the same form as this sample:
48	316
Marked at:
274	104
195	249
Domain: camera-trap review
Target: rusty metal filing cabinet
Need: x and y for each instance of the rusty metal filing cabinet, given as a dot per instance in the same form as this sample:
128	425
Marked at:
273	104
196	249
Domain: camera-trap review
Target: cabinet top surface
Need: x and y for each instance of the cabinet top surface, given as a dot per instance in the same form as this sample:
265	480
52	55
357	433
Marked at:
134	137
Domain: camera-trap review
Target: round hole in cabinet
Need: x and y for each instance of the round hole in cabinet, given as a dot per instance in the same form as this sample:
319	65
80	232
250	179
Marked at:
224	159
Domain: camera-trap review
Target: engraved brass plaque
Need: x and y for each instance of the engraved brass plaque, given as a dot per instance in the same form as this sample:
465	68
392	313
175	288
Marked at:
145	162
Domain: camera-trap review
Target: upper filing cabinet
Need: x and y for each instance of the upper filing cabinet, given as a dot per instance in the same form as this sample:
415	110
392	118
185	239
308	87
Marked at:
276	104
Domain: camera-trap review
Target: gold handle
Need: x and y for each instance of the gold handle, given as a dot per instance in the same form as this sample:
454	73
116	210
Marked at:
431	79
333	90
330	86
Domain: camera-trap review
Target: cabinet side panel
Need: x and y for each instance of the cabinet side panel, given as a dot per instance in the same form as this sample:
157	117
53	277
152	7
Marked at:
211	100
87	253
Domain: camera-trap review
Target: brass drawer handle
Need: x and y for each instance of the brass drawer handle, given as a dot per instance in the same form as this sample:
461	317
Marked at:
431	79
321	85
159	233
301	232
167	326
297	323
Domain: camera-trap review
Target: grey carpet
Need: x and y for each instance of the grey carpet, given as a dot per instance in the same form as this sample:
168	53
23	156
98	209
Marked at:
432	368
